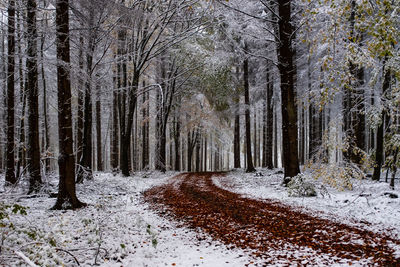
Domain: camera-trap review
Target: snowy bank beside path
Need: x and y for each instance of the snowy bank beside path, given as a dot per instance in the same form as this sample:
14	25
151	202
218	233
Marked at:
368	204
116	229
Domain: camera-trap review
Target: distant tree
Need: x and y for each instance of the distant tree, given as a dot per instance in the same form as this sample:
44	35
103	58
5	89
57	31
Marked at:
249	165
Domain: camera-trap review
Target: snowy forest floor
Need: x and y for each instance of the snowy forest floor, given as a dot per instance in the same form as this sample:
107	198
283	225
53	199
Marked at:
235	219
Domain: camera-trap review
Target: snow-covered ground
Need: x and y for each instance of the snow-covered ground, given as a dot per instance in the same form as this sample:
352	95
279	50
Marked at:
119	229
366	204
116	229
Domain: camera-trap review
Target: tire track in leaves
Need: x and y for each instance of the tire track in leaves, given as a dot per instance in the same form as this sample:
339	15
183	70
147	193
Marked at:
271	230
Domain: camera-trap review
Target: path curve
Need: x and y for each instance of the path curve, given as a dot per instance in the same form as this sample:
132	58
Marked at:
266	226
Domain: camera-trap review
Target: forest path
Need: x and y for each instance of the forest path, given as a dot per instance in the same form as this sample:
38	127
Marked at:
272	231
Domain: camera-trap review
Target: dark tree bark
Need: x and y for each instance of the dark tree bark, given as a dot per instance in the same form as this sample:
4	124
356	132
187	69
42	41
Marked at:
66	198
98	128
198	160
289	111
3	121
35	179
236	137
192	138
236	141
275	139
250	166
255	137
376	176
270	122
354	115
126	122
177	137
302	136
114	131
10	155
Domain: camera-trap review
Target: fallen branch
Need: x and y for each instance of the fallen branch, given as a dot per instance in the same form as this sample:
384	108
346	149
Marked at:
69	253
25	258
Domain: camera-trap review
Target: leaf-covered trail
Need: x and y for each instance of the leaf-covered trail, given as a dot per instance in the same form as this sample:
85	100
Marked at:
274	232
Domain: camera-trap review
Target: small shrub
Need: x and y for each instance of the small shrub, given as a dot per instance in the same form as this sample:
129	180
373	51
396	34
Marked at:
299	187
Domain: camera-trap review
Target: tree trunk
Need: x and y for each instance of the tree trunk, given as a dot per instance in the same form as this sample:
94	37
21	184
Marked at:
35	179
79	119
255	136
198	145
275	122
145	129
21	147
98	128
250	166
376	176
289	111
10	155
21	162
236	141
86	167
354	107
3	121
189	153
177	136
270	122
66	197
126	120
114	130
46	137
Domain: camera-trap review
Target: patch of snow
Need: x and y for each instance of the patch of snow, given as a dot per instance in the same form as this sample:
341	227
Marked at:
116	229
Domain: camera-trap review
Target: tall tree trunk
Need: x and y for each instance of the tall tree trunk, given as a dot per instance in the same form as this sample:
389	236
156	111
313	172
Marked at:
86	168
236	137
270	122
21	162
177	136
236	141
275	122
35	179
79	119
114	130
264	133
3	121
255	136
98	128
205	154
289	111
126	120
21	147
66	197
46	137
189	152
250	166
145	129
198	145
10	155
376	176
354	115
